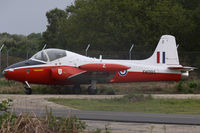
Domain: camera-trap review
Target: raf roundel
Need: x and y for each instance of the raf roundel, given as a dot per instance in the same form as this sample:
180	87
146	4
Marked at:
123	73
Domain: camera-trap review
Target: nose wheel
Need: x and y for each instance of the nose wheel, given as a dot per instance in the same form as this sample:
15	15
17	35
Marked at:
28	89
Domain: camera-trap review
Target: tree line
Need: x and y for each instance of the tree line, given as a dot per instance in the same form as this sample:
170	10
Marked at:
113	25
20	45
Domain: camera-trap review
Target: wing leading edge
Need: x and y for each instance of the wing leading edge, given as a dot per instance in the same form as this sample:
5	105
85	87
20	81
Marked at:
102	73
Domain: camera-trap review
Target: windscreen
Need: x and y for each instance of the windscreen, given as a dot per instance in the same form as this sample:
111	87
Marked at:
54	54
40	56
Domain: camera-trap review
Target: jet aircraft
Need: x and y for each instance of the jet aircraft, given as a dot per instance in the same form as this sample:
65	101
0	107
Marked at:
60	67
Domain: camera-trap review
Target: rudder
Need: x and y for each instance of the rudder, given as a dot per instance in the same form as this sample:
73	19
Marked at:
165	52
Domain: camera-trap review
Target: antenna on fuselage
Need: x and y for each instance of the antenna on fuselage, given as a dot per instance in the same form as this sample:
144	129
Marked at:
130	51
177	46
87	49
100	58
44	46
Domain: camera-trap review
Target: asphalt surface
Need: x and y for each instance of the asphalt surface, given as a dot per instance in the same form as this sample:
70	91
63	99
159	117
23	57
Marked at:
119	116
36	104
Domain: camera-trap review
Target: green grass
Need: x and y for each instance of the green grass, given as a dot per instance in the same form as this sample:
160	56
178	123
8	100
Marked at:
147	105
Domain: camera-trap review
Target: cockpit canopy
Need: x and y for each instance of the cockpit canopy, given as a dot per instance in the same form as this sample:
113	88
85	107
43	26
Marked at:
49	55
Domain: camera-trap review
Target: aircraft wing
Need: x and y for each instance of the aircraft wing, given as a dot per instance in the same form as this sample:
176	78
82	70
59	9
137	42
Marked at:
102	72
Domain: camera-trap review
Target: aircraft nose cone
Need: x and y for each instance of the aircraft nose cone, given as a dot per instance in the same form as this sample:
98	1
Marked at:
6	72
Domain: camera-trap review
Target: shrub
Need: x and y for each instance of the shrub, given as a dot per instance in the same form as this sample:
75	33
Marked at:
26	123
180	87
4	82
6	116
70	124
193	84
188	87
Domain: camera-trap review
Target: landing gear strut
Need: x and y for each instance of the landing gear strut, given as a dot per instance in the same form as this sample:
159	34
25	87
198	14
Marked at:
27	88
77	89
92	89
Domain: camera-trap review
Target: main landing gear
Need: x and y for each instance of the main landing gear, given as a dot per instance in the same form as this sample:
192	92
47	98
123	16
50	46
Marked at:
76	89
92	89
27	88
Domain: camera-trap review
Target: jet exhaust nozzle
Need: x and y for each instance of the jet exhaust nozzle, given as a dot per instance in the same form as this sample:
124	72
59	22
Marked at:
184	75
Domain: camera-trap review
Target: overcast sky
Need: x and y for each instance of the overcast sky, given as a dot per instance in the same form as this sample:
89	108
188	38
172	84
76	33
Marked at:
27	16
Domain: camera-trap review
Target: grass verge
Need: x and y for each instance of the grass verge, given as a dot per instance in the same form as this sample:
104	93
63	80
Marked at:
135	103
182	87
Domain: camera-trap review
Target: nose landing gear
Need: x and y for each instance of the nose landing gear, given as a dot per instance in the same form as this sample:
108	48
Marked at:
28	91
27	88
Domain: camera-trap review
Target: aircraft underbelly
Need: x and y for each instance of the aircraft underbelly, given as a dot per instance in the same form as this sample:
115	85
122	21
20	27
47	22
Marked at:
100	77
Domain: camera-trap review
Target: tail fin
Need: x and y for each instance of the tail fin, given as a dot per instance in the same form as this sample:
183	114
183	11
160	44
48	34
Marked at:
166	52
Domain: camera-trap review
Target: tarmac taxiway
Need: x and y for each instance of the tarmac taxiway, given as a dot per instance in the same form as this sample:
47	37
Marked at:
118	121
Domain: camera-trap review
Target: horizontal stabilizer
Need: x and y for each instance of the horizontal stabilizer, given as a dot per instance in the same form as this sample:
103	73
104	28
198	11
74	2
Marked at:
182	68
103	67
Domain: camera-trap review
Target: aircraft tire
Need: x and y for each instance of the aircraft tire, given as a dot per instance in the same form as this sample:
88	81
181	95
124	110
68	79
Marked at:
28	91
76	89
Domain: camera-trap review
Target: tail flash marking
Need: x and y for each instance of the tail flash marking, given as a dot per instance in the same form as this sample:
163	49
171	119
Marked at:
165	52
163	57
158	57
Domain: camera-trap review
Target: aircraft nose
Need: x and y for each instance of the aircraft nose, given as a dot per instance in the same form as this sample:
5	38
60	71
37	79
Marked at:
10	69
4	72
7	71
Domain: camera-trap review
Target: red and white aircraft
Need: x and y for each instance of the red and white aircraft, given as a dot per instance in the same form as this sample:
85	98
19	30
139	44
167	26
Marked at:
61	67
